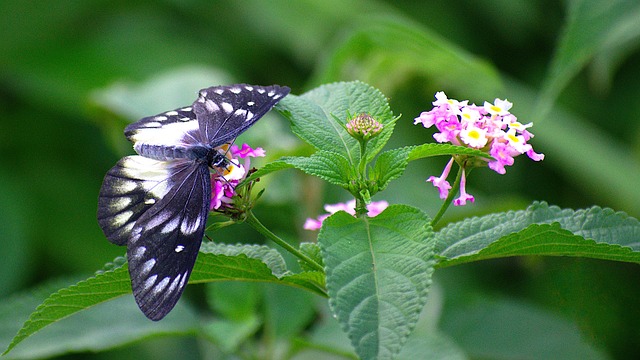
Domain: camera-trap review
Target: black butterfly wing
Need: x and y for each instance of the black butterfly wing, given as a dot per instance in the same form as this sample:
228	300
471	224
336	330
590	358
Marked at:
165	240
159	209
224	112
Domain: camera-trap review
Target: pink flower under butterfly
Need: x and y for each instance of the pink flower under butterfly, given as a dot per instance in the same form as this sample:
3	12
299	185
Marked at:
223	183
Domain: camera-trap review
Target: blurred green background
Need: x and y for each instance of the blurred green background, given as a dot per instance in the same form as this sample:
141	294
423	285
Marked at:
73	73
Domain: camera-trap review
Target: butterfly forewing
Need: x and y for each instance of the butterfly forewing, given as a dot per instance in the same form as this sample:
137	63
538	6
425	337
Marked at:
224	112
157	202
165	241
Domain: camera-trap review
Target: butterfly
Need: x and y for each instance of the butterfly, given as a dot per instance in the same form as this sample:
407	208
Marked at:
157	202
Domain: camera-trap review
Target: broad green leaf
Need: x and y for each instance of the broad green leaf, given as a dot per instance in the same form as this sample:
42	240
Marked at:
329	166
274	166
326	165
589	25
216	262
102	287
391	164
311	280
312	250
105	326
312	117
542	230
270	257
378	276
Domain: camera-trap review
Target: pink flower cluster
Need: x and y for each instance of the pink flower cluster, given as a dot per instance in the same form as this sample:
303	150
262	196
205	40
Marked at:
375	208
223	184
491	128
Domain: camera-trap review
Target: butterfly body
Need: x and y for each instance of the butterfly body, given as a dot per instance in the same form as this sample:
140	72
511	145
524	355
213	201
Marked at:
157	202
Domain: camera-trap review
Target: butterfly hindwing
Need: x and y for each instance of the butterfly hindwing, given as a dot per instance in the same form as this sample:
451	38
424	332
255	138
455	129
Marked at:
224	112
129	189
165	240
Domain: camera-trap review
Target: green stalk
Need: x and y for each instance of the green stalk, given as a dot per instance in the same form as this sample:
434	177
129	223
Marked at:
256	224
449	199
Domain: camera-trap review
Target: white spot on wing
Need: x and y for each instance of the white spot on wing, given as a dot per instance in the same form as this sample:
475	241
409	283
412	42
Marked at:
122	218
250	88
119	204
173	285
149	282
235	90
271	93
261	90
153	124
183	280
251	103
227	107
189	228
187	109
147	266
160	118
138	252
179	248
249	115
240	112
150	201
219	91
161	285
211	106
171	113
159	219
170	226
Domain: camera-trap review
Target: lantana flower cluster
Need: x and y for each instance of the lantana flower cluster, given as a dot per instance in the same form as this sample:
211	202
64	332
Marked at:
374	208
491	128
224	182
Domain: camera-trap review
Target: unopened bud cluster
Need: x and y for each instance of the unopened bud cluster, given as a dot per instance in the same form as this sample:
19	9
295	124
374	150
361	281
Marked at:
363	127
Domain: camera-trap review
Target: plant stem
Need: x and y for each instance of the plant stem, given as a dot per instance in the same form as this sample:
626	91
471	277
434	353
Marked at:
256	224
449	199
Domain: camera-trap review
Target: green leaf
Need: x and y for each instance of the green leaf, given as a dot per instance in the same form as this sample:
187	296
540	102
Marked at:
102	287
267	169
270	257
391	164
215	262
105	326
311	115
329	166
378	276
312	250
542	230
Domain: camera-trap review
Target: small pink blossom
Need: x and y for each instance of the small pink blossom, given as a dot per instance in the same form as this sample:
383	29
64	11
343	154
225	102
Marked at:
374	208
464	197
224	181
441	182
